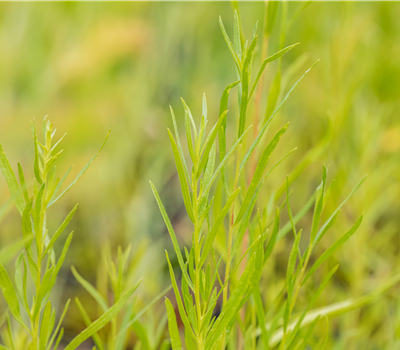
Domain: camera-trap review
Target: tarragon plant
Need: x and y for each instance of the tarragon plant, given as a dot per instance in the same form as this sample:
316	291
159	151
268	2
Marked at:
228	310
32	309
118	274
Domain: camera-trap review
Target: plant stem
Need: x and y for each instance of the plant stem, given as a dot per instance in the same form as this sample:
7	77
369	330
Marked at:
197	230
230	236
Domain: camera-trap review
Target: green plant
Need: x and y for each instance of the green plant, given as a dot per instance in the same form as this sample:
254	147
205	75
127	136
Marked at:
200	267
37	319
119	273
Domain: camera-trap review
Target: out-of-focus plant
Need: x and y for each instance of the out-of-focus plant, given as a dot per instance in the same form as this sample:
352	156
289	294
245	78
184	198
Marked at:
119	274
38	329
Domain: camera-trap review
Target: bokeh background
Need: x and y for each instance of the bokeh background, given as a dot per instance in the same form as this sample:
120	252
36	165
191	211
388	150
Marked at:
98	66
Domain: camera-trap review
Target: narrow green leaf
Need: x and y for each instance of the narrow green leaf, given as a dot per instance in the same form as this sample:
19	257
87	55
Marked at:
272	10
230	46
173	326
286	228
58	326
12	249
59	184
15	190
273	238
10	295
90	289
22	182
60	230
209	143
60	336
273	94
182	178
172	235
260	135
181	308
262	164
260	316
315	296
246	75
102	320
86	318
80	173
292	265
319	202
266	61
237	45
188	116
36	164
230	309
333	248
143	311
20	281
44	326
215	228
322	229
182	156
223	106
222	164
188	132
334	309
44	289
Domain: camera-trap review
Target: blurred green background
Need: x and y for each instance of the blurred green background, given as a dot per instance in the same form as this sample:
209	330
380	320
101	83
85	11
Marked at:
98	66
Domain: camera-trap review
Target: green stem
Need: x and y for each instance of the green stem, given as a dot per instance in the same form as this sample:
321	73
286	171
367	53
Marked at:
230	237
197	230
